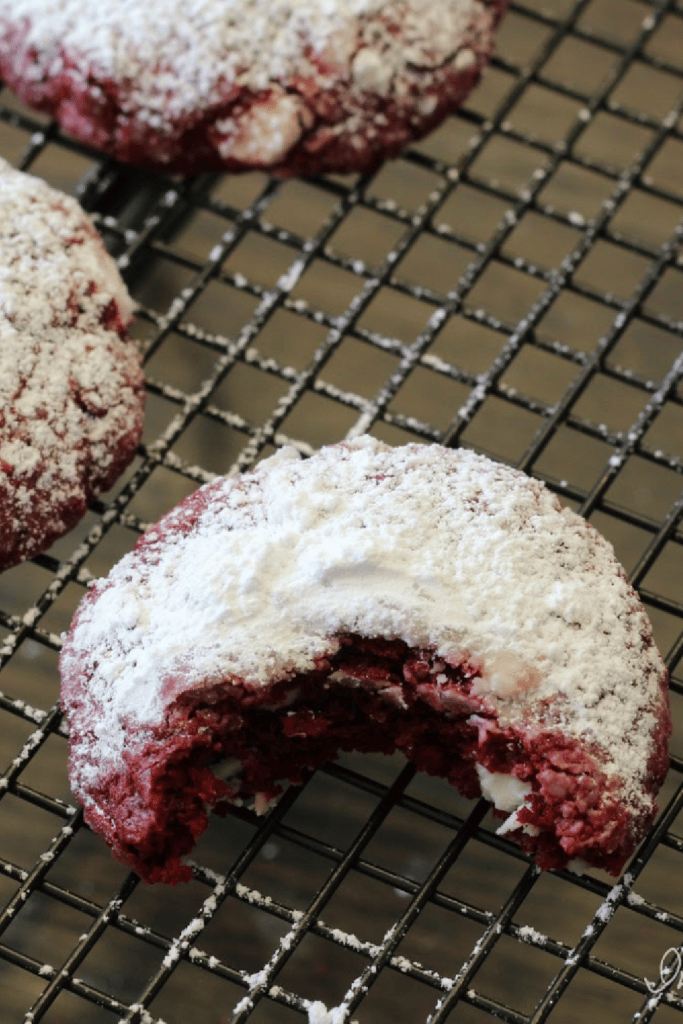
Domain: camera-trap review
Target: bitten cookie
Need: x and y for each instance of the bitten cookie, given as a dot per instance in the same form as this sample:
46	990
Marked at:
368	598
300	88
71	385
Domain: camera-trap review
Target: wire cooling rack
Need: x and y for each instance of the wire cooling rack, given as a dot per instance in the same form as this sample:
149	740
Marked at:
513	283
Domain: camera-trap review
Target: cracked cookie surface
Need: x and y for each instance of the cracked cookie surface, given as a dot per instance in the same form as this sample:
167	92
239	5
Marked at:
238	84
71	384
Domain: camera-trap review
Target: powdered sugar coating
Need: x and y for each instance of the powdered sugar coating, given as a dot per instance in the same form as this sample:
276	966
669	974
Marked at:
71	387
320	84
253	578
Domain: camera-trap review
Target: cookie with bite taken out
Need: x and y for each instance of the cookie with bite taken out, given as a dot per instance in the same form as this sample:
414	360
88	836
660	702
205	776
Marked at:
368	598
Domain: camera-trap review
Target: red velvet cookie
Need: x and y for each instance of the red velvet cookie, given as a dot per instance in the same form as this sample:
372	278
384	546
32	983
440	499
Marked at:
71	386
416	599
300	88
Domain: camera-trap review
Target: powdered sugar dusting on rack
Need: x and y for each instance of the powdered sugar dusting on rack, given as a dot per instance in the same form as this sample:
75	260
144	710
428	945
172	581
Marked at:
71	389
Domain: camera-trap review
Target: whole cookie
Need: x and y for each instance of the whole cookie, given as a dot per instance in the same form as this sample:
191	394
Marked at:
301	88
71	385
377	599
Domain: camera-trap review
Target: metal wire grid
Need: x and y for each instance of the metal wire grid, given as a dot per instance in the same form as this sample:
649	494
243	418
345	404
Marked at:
317	345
